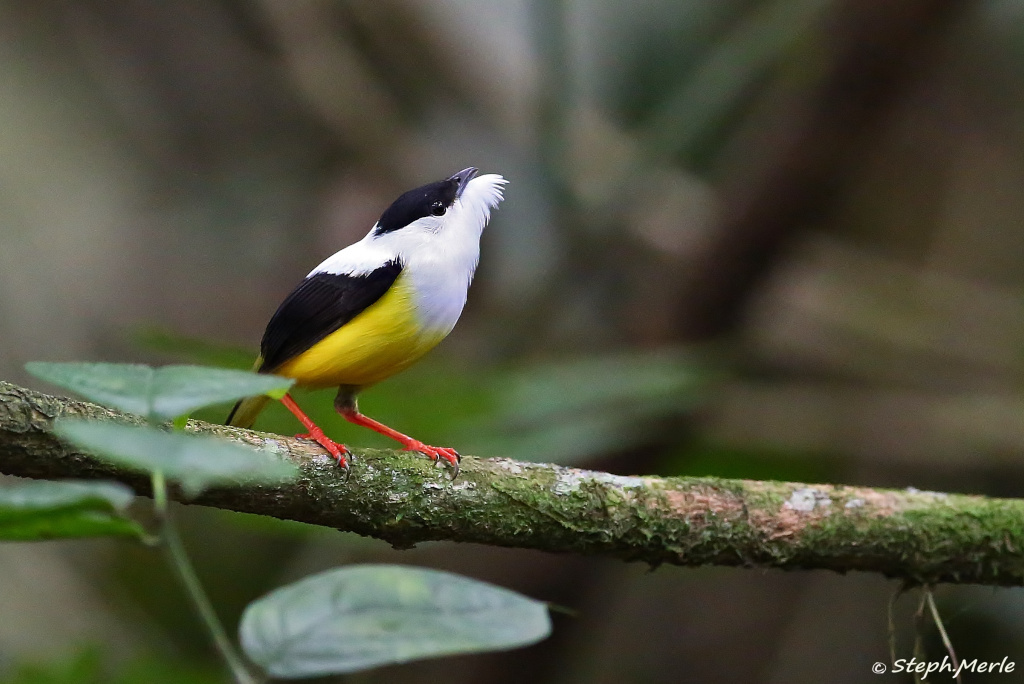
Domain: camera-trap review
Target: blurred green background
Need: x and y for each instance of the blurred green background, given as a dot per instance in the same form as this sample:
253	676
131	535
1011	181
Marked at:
765	239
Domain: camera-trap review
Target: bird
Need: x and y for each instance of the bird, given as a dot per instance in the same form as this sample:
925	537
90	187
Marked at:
374	308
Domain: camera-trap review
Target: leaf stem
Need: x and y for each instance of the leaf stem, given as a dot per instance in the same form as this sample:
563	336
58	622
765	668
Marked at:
942	632
190	581
160	495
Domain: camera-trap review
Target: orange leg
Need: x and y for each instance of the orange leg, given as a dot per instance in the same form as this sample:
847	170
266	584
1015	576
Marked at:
352	415
315	433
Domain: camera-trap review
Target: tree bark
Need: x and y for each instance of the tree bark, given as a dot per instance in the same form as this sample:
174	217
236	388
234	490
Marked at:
919	537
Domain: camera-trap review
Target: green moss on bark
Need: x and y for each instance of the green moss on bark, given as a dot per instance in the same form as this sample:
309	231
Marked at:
919	537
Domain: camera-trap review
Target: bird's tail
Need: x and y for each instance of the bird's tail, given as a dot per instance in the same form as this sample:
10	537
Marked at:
245	412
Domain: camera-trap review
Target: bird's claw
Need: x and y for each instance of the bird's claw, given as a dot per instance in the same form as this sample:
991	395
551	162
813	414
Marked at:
435	454
338	451
453	463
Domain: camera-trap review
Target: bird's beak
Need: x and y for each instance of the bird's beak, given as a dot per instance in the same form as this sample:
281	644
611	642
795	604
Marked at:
462	178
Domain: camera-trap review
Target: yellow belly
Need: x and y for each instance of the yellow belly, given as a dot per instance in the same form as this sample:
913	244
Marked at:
383	340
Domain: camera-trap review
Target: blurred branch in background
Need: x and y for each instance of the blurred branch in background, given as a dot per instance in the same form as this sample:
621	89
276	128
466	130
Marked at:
780	178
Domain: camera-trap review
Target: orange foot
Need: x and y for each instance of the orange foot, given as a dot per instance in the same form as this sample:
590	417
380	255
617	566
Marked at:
316	434
348	412
435	453
334	448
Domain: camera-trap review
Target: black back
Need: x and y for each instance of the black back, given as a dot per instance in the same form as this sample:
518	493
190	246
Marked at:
321	304
434	198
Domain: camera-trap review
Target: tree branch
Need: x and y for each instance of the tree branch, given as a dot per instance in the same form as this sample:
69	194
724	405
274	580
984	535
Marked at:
919	537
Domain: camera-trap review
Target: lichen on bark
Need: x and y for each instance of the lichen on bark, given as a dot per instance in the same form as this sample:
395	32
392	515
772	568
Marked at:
919	537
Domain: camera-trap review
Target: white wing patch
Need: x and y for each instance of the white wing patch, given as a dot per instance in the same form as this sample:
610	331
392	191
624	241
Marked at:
357	259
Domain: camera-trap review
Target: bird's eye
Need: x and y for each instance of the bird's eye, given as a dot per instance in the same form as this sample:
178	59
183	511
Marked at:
437	208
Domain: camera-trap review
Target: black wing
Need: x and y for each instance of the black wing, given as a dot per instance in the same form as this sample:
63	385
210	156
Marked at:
321	304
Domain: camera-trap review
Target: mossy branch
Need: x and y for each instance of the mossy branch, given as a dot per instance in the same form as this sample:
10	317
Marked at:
919	537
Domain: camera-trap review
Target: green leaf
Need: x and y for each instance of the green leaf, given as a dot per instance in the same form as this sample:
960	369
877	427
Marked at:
183	389
65	509
195	462
157	394
122	386
364	616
